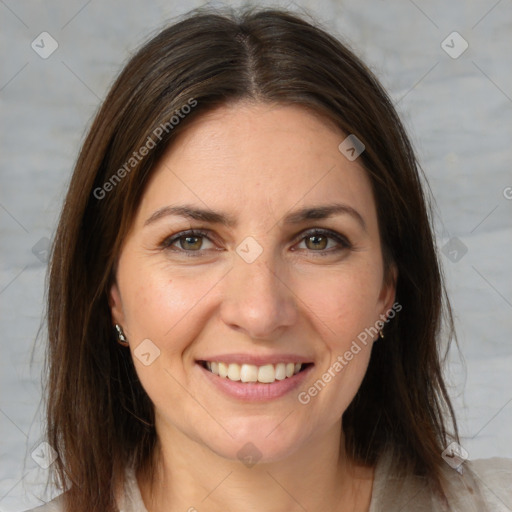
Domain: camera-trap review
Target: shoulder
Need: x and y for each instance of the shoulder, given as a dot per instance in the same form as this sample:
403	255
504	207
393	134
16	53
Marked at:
56	505
481	485
495	466
128	497
493	479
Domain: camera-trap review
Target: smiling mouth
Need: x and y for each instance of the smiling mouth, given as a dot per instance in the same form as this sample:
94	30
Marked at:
247	373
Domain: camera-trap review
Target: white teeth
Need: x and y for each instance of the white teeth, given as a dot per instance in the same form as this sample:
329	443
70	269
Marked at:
266	374
223	370
280	371
248	373
234	372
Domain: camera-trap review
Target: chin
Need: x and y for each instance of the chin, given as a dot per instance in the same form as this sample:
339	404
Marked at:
256	441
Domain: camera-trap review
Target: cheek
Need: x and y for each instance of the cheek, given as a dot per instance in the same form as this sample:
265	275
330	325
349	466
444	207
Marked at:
167	308
341	306
344	302
161	304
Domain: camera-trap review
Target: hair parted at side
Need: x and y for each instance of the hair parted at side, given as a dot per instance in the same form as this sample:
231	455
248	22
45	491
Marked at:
99	418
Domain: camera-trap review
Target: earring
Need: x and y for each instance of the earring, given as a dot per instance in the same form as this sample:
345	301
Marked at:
381	334
121	338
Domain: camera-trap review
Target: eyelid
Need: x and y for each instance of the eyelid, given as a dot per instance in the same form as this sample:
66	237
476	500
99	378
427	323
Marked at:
169	240
342	241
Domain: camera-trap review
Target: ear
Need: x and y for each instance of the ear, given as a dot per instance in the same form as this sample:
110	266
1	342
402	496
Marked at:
388	291
116	305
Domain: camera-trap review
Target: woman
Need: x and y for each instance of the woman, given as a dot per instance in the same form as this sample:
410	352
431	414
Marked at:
246	218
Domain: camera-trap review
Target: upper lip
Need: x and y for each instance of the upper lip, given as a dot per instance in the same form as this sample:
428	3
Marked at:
257	360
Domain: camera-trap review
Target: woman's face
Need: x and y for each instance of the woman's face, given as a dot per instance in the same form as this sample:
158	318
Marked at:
283	268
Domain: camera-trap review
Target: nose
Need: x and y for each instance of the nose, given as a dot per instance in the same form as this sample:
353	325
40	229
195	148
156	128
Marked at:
257	299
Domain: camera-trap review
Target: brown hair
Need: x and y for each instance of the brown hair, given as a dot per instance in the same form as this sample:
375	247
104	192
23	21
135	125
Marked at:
99	418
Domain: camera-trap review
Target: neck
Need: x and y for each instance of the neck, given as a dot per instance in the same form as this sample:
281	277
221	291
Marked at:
318	476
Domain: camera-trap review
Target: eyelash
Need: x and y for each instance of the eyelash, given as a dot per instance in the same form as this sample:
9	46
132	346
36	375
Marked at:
343	242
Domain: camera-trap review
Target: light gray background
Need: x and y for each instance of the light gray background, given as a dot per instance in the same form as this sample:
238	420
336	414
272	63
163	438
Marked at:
458	113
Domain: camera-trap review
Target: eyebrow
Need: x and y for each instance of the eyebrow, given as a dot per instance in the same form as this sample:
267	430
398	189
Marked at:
323	212
296	217
191	212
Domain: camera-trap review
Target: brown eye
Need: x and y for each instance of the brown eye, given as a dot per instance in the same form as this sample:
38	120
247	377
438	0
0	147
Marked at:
324	242
316	242
190	243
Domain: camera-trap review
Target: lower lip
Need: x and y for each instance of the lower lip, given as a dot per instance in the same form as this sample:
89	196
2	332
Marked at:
256	391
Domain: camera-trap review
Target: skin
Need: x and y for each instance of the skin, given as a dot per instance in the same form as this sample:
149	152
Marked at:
257	163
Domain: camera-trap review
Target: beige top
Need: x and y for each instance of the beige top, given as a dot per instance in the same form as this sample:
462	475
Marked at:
485	485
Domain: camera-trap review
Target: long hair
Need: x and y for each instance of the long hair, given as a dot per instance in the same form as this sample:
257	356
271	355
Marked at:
99	418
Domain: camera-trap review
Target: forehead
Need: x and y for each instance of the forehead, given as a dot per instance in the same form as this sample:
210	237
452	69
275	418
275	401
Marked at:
248	156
